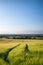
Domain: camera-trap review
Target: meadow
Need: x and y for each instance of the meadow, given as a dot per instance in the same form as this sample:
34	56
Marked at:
21	52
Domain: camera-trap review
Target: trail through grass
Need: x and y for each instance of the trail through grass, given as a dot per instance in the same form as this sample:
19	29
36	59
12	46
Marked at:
4	55
21	52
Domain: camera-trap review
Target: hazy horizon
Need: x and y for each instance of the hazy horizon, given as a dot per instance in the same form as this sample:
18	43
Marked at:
21	16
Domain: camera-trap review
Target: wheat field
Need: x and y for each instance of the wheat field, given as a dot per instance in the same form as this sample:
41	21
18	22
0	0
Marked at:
21	52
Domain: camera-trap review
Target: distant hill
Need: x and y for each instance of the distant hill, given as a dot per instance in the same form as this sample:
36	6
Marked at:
22	36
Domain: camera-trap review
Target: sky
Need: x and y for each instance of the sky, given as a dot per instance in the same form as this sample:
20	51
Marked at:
21	16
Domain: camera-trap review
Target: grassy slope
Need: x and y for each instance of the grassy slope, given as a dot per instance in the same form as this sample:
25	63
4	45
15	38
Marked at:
19	56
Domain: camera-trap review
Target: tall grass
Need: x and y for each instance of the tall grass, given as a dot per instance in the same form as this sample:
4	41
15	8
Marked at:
25	54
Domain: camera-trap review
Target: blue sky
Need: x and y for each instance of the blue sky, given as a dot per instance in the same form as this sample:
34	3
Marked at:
21	16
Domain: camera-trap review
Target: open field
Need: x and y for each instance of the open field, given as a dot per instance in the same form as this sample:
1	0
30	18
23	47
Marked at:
21	52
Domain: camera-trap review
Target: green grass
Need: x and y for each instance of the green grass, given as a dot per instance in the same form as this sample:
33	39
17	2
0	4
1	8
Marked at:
33	55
